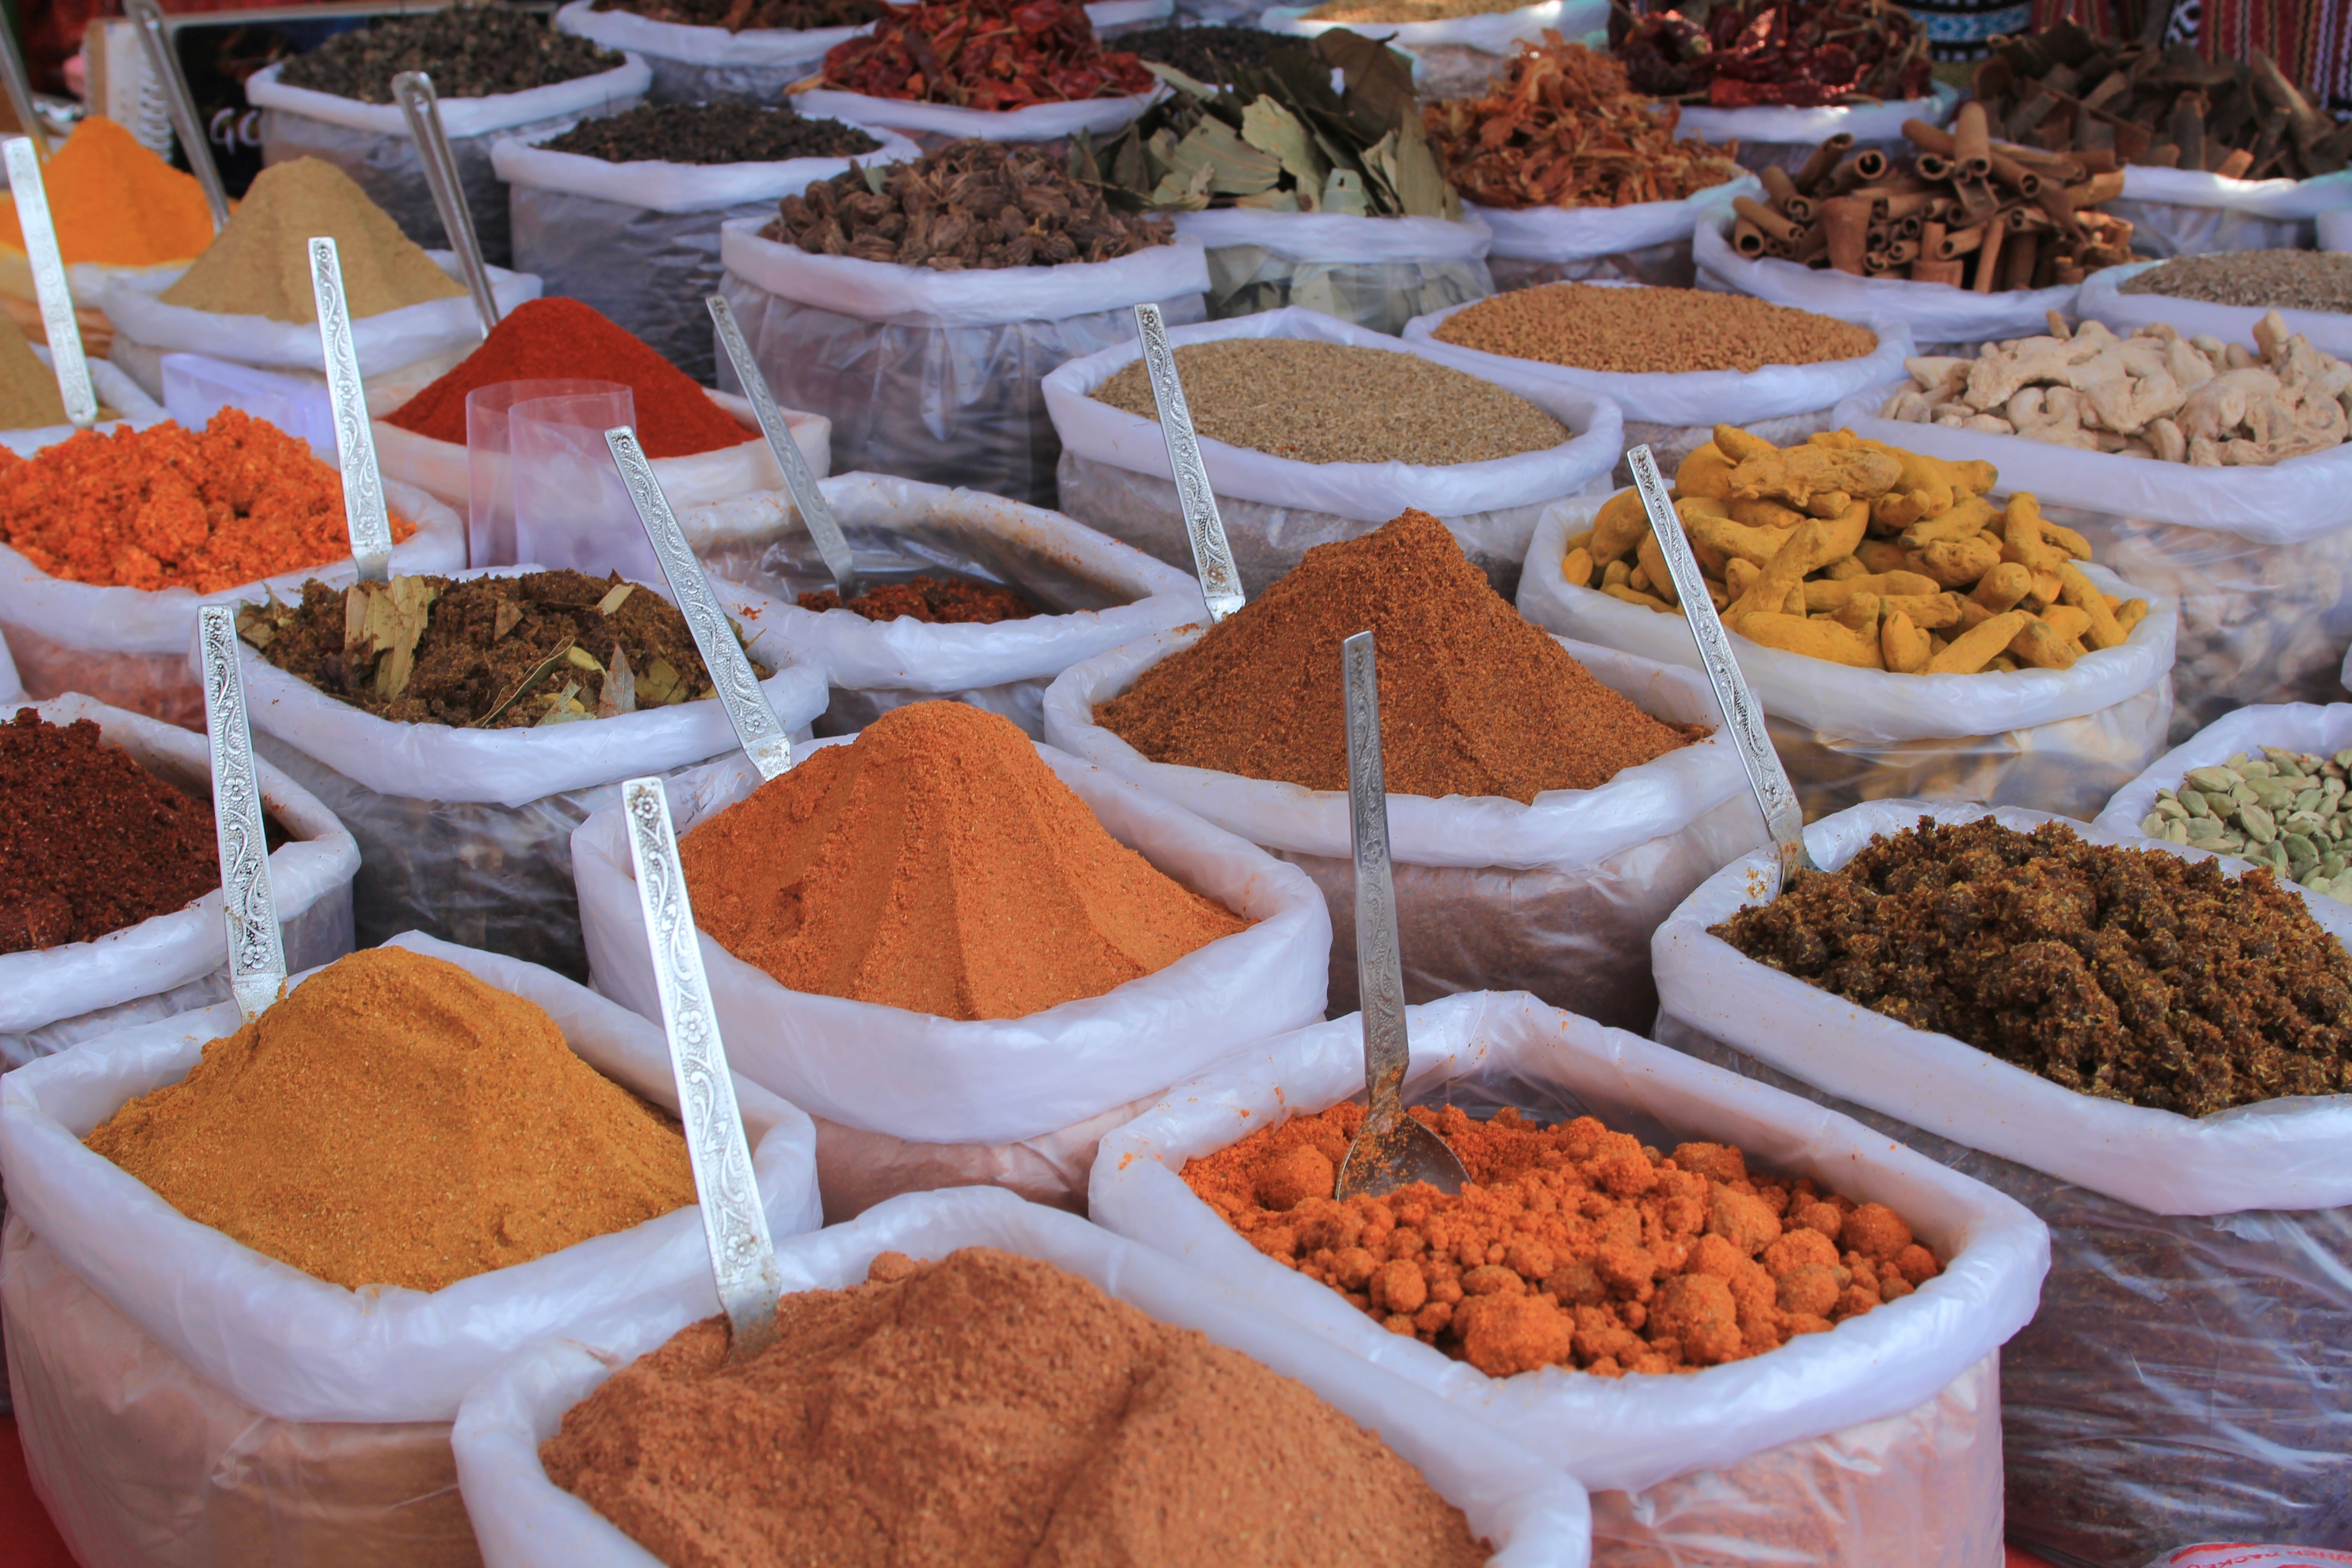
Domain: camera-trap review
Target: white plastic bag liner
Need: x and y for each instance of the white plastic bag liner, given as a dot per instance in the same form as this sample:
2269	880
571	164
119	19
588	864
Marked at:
934	126
2068	736
11	690
146	329
997	1080
2336	230
1532	1514
856	1169
708	65
1115	466
2239	1554
1774	133
186	1400
2260	559
1938	314
1645	242
640	241
370	142
1095	594
1376	272
2188	212
2178	1379
465	834
1763	1450
2102	300
115	391
1558	896
57	997
934	376
129	647
1112	17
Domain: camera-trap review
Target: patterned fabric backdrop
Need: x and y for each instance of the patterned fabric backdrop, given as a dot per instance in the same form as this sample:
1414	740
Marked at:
2311	39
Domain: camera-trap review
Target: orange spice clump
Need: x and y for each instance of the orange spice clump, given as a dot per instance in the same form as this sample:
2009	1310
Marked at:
938	864
169	508
1571	1246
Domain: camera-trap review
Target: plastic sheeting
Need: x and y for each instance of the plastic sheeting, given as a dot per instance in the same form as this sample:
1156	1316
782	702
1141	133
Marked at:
1373	272
933	125
708	65
1771	133
1558	898
2187	212
2102	300
1647	242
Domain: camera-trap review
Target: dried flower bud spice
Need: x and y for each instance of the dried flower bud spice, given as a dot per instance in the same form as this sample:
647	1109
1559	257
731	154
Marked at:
90	842
1637	330
394	1121
472	51
941	601
1036	1419
738	15
731	132
2131	974
167	508
985	54
1572	1245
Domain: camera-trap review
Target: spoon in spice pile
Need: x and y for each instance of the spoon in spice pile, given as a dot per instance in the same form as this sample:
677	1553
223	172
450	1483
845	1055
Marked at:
1391	1149
187	126
743	1257
49	286
762	738
1743	719
364	513
799	484
413	90
257	953
1212	555
19	84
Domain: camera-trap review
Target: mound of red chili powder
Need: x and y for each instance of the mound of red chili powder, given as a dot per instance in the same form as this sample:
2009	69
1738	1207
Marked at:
563	340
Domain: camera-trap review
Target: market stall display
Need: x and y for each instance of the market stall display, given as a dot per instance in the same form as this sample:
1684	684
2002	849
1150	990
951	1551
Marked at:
720	51
1456	48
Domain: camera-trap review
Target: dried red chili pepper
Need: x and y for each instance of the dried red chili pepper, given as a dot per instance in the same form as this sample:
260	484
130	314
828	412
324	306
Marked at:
985	54
1799	53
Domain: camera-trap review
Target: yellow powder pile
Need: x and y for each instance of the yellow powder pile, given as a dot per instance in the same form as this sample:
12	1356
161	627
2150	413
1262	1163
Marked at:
397	1122
29	389
112	201
261	265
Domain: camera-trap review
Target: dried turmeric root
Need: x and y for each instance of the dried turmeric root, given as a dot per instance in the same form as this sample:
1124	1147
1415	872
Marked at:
1815	640
1972	650
1902	646
1816	480
1706	472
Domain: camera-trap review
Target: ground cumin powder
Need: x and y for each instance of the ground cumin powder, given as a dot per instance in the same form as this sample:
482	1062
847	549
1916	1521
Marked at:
937	864
989	1410
1474	700
394	1121
261	264
29	399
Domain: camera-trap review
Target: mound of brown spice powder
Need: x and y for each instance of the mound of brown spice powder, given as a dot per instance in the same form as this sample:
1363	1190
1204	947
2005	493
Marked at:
937	864
989	1411
394	1121
1474	700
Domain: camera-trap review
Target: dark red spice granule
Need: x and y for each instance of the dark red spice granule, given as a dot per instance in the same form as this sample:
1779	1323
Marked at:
936	600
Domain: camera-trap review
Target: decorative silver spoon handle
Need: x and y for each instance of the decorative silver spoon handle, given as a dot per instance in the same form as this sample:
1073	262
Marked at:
1743	717
1379	962
799	483
364	513
764	738
743	1257
257	953
1212	555
186	126
49	283
422	107
19	84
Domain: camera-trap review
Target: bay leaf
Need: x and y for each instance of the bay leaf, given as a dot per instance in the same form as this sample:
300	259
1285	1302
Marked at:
522	687
615	599
620	691
504	618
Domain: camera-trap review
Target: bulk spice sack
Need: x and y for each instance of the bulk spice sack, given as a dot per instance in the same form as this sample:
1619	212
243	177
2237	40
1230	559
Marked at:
714	51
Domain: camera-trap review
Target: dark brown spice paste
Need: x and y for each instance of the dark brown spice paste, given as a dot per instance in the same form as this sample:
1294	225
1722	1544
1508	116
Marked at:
936	600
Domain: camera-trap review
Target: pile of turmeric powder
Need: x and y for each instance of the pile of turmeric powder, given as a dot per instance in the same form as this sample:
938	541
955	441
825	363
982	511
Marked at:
1571	1246
1864	554
116	203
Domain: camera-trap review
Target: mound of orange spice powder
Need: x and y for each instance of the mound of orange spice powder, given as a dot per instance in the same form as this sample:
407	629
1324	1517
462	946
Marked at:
170	508
1572	1245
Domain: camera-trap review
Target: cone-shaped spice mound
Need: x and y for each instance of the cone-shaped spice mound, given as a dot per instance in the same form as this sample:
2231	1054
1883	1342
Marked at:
261	264
937	864
394	1121
1474	700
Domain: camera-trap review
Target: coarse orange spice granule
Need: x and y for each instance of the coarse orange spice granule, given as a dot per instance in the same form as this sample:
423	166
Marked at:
170	508
1572	1245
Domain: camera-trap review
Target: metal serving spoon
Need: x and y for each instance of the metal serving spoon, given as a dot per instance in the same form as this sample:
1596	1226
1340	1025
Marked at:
363	512
256	951
808	497
423	108
1212	555
186	125
49	285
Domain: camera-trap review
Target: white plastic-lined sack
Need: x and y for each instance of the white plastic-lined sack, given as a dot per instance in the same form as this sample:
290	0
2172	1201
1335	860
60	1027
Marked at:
129	647
2291	726
188	1401
879	1077
1094	593
934	126
11	690
1876	1443
1774	133
708	65
1114	468
54	997
934	376
1558	896
1112	17
115	391
146	329
2188	212
466	834
370	142
2068	737
2174	1384
639	241
2260	559
1533	1517
2102	300
1375	272
1645	242
1458	57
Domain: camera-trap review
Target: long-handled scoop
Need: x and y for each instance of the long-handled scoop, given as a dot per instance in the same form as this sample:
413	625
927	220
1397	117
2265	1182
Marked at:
19	84
257	953
1212	555
808	497
742	1258
1390	1150
762	737
49	286
422	107
187	126
1743	719
363	511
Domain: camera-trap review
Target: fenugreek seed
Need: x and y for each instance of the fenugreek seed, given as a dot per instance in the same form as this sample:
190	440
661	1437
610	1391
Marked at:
1593	327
